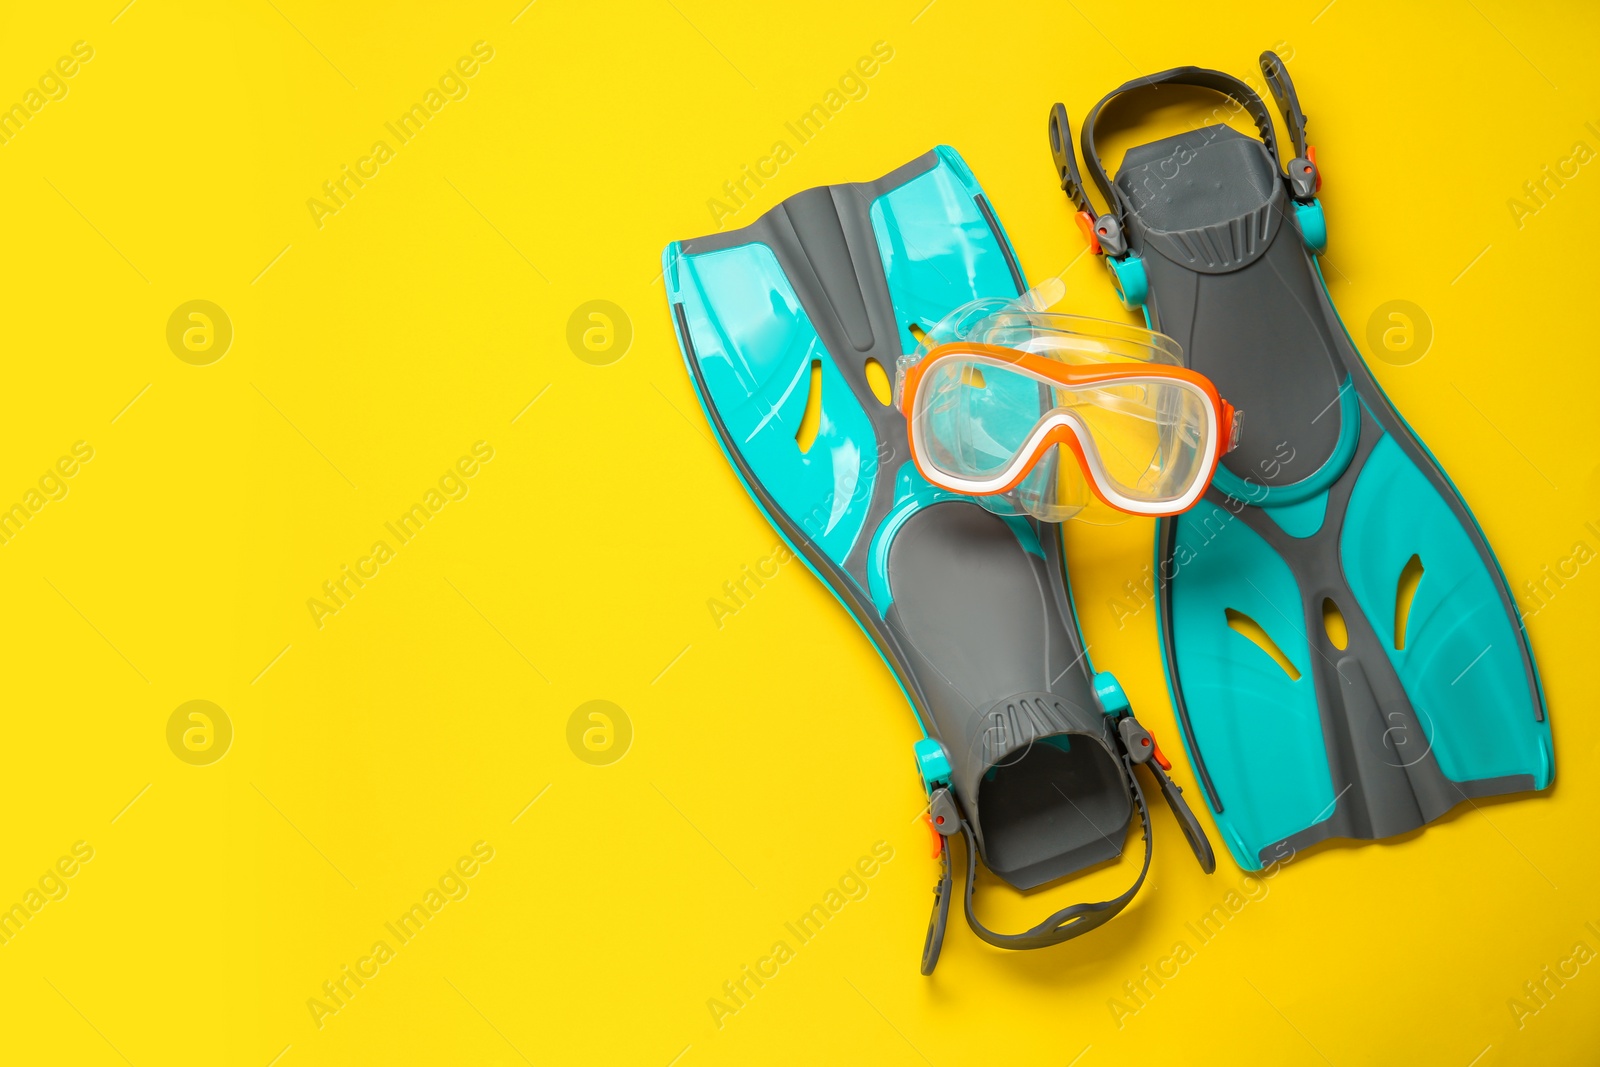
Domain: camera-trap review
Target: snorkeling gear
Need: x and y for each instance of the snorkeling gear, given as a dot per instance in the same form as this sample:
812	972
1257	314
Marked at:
1342	648
1140	432
1028	755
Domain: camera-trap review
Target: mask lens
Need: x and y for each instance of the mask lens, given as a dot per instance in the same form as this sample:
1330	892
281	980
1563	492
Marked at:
1149	438
1006	416
975	415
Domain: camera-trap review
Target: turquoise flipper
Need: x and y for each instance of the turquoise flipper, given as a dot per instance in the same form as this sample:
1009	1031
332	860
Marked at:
1462	662
757	370
1267	756
968	608
1306	714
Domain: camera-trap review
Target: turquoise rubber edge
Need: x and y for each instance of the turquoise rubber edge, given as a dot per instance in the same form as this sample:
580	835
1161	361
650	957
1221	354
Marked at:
669	264
933	763
1301	519
1112	697
970	181
669	259
1313	225
1236	846
1505	584
1344	449
1132	283
915	493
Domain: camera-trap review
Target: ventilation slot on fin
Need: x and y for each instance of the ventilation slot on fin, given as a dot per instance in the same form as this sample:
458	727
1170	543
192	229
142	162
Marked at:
1405	592
972	375
1333	622
878	381
1241	623
811	421
917	332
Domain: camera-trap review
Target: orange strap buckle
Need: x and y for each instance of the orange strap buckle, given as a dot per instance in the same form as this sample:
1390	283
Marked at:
1085	223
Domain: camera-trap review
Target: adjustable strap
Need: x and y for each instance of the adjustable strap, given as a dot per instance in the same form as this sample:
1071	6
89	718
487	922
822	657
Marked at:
1302	173
1066	159
1071	921
941	910
1105	232
1282	87
1201	78
1137	746
1142	748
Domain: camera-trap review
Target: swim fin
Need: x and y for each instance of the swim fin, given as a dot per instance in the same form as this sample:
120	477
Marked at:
1028	756
1342	648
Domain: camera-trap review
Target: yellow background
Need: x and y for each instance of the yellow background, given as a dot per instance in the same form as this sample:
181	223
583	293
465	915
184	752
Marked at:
771	753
